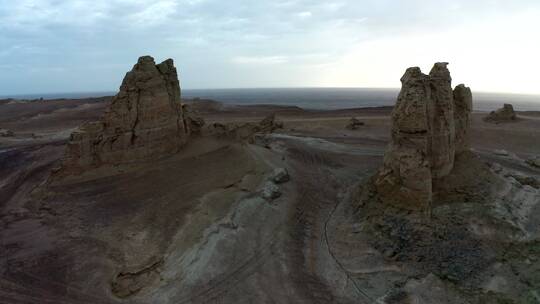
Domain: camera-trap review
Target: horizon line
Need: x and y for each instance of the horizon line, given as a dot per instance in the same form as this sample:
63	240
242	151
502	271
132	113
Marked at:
8	96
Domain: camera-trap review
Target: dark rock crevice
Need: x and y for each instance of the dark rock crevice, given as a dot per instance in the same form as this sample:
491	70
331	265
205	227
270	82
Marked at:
129	283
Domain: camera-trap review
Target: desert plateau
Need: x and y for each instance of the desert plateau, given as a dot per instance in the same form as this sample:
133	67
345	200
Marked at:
269	152
145	197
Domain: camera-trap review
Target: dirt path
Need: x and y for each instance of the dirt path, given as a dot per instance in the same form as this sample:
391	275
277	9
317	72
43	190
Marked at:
324	177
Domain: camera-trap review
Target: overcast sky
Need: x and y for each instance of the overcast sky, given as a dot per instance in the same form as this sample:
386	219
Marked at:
50	46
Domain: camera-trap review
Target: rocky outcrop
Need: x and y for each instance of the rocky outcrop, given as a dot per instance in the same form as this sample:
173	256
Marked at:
144	121
504	114
193	122
270	191
534	162
6	133
280	176
430	125
441	124
269	124
354	123
245	131
462	117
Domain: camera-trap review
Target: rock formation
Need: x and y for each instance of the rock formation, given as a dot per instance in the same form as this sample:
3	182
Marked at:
504	114
430	125
534	162
145	120
245	131
270	191
193	122
6	133
354	124
280	176
462	116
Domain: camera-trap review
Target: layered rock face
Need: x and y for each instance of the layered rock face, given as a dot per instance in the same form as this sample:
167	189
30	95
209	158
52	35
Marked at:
441	125
145	120
430	125
504	114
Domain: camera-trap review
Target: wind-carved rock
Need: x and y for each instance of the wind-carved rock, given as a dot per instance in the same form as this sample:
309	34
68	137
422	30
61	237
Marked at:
245	131
441	121
504	114
430	124
145	120
462	117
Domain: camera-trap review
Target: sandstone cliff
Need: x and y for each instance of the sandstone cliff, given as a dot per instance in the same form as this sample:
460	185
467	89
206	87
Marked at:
145	120
429	125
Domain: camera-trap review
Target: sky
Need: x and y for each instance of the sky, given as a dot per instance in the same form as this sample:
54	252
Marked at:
52	46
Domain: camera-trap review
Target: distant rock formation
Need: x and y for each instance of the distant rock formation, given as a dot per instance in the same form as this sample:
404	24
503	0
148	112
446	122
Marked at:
504	114
193	122
462	117
245	131
6	133
145	120
354	123
430	124
534	162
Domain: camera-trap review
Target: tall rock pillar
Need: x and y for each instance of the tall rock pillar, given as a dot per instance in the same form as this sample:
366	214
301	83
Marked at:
144	121
423	140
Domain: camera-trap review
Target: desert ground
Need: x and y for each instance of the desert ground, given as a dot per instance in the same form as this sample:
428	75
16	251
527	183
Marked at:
196	227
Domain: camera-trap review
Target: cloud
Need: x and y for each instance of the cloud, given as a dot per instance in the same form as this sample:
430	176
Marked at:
259	60
285	39
488	56
304	14
29	15
155	13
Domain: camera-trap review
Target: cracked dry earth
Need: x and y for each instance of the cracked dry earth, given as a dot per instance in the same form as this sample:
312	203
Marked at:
195	228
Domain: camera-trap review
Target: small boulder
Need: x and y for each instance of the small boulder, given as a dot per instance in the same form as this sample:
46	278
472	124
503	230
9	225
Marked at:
354	123
504	114
280	176
271	191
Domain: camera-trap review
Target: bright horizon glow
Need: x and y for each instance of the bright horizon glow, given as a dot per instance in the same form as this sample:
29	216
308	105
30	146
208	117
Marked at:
54	46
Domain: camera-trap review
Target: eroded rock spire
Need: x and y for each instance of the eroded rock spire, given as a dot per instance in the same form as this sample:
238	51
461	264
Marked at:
145	120
429	124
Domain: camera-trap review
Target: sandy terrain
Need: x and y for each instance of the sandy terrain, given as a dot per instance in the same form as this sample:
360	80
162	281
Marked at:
194	228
